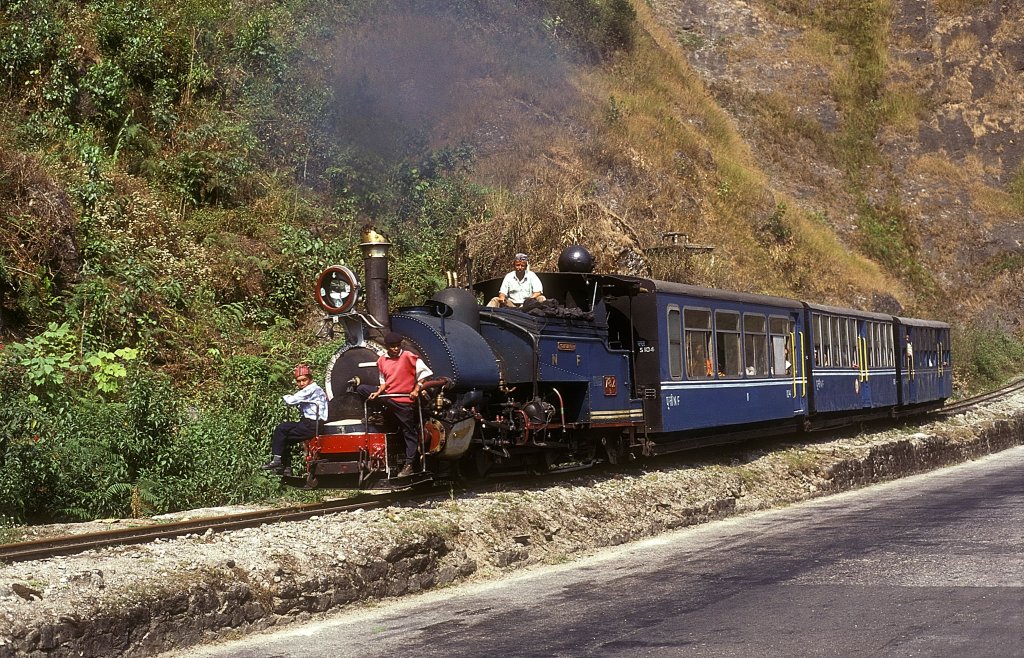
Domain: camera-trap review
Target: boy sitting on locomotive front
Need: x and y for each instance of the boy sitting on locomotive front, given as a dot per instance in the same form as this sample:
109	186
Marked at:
312	403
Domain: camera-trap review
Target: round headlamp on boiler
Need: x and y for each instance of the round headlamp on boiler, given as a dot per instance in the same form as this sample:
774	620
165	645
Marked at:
337	290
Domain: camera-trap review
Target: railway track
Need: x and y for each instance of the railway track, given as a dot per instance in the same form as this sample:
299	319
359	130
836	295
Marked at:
71	544
40	549
967	404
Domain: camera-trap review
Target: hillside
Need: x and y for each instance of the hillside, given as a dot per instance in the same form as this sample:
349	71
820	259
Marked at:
174	174
941	168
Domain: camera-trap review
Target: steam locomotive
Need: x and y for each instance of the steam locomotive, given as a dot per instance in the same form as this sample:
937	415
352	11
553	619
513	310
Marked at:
608	367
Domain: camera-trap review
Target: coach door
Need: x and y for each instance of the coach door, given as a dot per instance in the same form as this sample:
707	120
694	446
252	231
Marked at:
864	346
788	362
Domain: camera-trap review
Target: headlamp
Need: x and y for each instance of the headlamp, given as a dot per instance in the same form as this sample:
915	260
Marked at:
337	290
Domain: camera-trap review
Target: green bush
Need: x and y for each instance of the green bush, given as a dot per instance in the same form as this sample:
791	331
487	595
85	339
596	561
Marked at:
214	162
75	458
213	460
986	357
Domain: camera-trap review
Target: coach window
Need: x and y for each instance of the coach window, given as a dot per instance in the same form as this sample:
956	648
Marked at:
779	330
836	341
871	335
818	333
883	345
675	343
839	342
853	348
868	347
843	358
826	340
755	345
887	346
727	343
878	343
697	322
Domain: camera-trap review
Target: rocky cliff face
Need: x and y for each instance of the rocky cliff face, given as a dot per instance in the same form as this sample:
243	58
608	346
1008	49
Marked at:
951	150
958	169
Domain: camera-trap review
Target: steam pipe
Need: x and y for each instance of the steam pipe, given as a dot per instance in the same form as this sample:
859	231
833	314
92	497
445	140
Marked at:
375	261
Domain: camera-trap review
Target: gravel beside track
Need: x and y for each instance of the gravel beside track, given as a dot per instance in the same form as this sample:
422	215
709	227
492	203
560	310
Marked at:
141	600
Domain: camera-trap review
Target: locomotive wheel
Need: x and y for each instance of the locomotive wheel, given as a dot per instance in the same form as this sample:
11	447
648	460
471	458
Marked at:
612	450
543	465
474	465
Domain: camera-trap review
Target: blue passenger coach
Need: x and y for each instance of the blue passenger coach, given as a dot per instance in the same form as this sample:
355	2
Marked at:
925	375
708	360
852	360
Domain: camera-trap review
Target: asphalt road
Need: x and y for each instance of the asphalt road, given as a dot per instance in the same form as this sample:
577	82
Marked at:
931	565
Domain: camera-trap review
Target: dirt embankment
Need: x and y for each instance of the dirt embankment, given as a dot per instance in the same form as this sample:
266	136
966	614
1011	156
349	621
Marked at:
141	600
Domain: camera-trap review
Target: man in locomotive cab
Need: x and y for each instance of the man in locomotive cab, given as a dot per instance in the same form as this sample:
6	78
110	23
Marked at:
312	403
402	374
518	285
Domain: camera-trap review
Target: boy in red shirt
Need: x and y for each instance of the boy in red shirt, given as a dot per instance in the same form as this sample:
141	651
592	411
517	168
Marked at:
401	377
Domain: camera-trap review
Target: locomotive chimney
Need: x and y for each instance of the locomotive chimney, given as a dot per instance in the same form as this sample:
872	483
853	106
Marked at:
375	260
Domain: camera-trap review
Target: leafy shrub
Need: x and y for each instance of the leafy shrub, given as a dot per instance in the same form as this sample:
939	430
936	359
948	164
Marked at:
775	229
255	43
30	35
78	458
213	163
132	34
108	88
986	357
213	460
598	28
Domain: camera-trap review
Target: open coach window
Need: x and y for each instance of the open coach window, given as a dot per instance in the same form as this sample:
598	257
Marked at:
755	345
699	363
727	343
781	332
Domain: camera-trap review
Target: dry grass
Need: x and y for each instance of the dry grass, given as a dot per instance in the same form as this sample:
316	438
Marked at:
958	7
903	108
648	150
961	47
967	174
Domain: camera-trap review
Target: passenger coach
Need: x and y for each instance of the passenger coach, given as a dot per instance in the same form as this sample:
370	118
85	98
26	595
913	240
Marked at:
712	359
924	372
853	362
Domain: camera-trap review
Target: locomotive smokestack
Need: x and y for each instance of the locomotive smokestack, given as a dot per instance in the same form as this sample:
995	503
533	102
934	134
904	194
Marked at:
375	260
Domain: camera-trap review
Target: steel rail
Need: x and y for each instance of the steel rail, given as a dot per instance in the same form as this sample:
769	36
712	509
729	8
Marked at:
967	404
41	549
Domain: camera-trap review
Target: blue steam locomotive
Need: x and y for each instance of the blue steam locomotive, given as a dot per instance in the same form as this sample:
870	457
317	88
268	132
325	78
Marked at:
609	366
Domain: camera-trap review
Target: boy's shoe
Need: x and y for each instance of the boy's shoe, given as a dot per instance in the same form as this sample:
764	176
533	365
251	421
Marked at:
406	471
